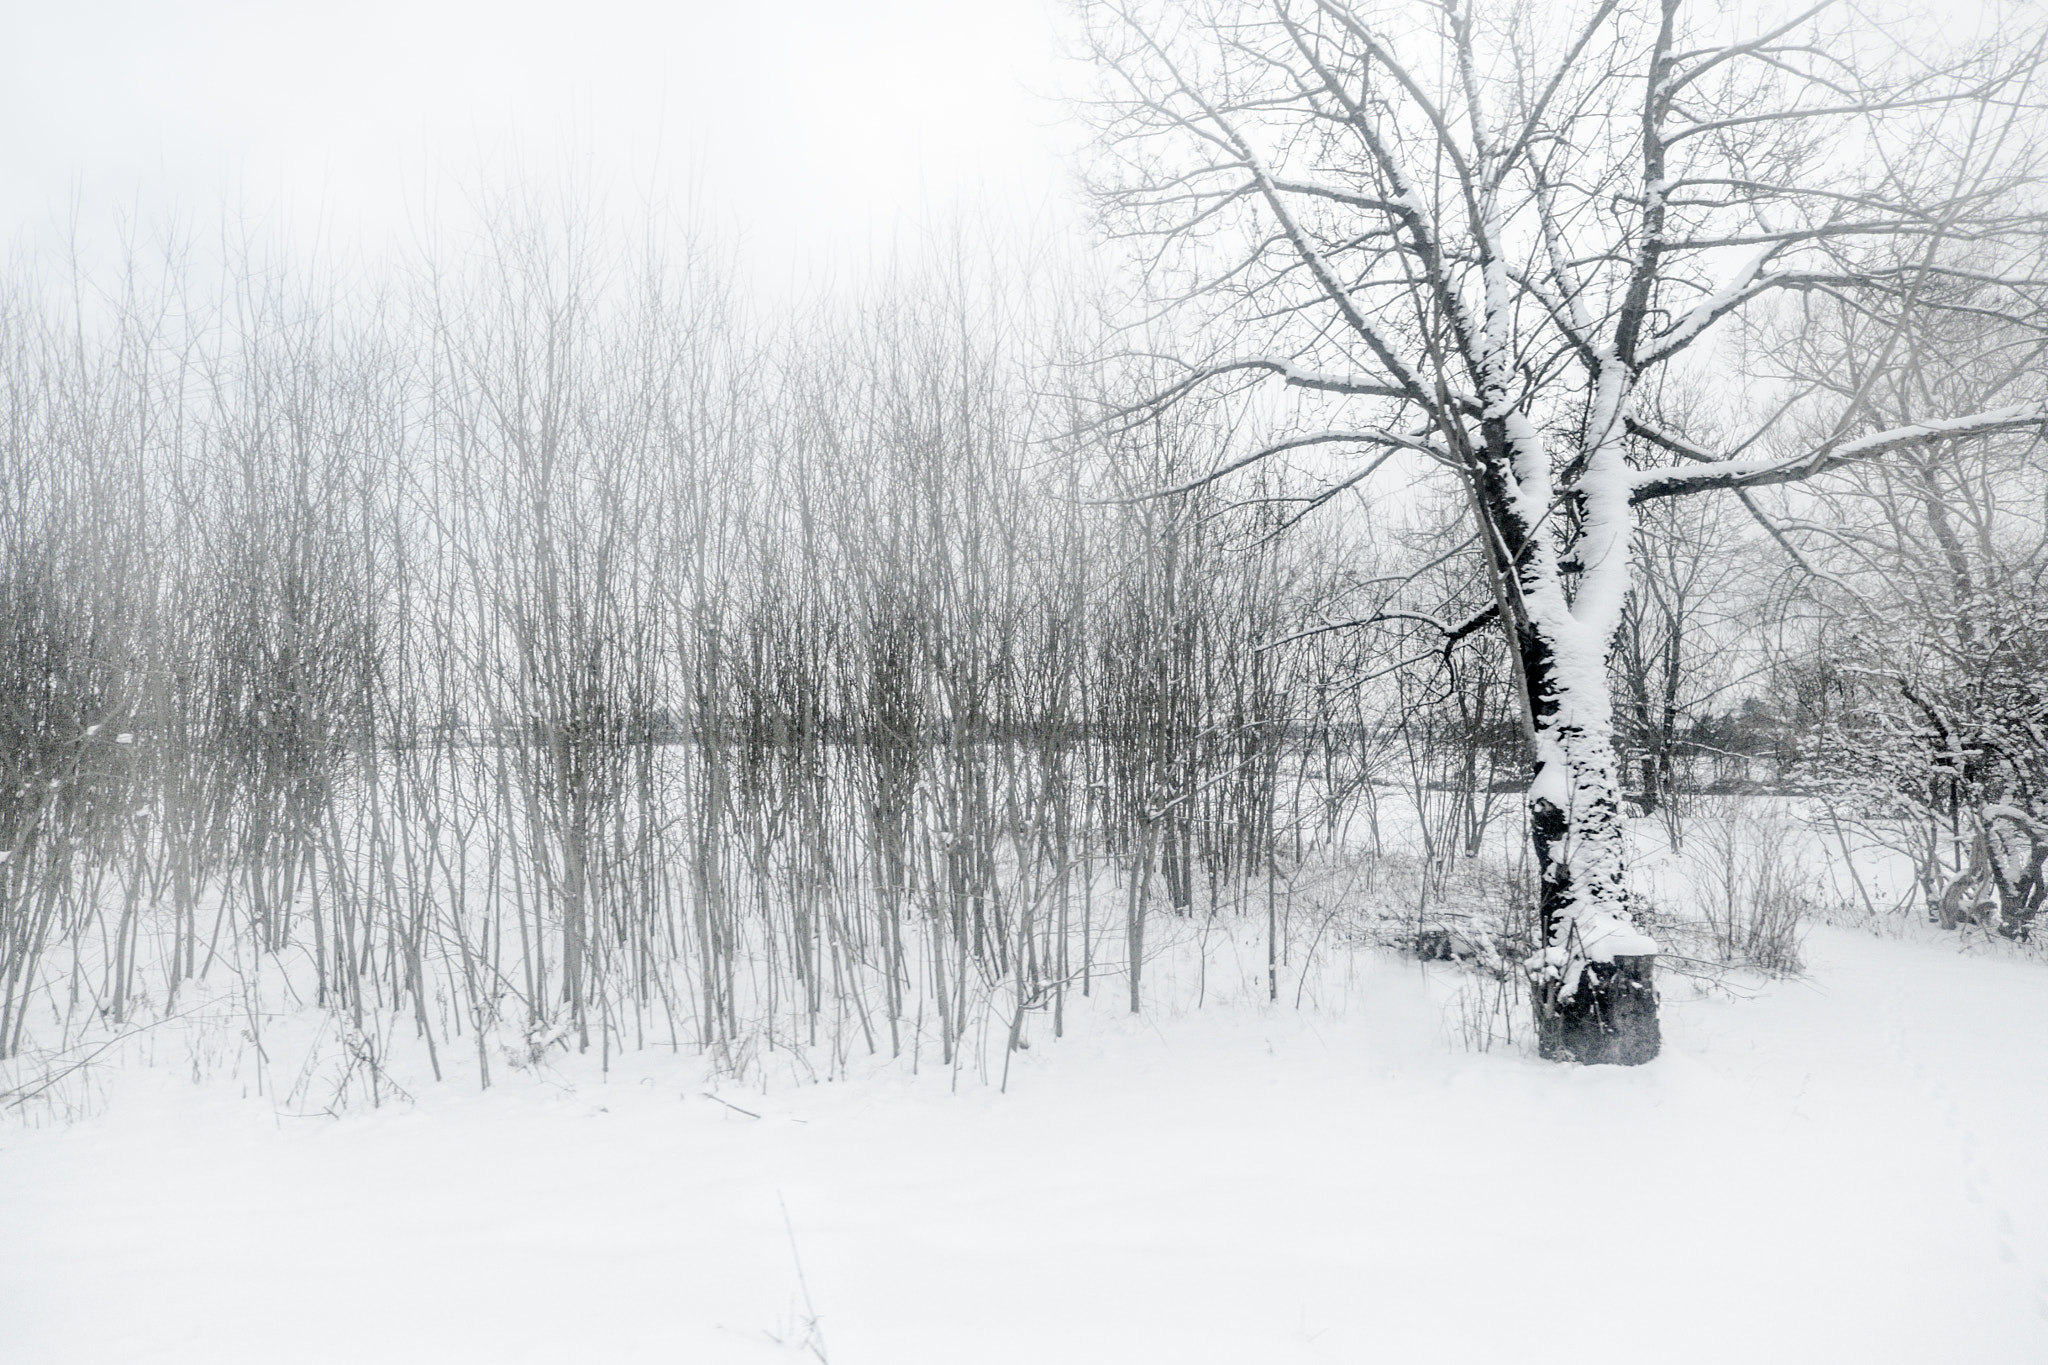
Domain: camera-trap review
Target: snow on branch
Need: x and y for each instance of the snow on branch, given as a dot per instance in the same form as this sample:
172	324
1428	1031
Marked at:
1312	190
1743	287
1664	483
1291	374
1671	441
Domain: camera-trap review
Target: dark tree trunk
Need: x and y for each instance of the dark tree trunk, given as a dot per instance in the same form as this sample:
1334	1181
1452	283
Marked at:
1596	999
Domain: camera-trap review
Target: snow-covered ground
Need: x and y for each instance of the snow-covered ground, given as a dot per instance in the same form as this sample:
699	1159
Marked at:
1843	1168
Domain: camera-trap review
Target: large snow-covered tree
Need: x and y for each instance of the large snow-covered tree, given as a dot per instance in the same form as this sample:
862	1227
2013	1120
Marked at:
1477	238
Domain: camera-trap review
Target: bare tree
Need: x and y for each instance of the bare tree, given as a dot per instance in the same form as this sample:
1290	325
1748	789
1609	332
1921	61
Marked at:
1931	575
1469	238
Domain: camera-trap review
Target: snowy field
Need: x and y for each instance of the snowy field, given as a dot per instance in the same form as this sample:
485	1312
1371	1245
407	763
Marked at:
1840	1168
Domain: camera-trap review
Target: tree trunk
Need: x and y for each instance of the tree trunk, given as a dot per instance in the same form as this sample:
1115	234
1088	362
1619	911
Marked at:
1593	975
1596	1001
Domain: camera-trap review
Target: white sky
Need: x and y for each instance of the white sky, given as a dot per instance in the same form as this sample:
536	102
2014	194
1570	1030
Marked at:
817	126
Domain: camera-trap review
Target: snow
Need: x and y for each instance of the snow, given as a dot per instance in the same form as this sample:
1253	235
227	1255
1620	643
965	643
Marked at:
1606	540
1744	284
1839	1168
1604	937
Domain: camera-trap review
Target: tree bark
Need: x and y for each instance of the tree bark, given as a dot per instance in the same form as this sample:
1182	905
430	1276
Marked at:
1593	974
1596	999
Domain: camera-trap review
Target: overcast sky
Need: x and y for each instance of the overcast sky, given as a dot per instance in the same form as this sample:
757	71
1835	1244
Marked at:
817	125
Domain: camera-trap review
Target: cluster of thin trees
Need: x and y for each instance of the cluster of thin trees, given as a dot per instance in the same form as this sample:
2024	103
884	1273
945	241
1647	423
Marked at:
535	644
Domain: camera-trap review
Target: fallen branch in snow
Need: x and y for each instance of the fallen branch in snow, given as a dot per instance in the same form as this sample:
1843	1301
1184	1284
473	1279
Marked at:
730	1105
16	1098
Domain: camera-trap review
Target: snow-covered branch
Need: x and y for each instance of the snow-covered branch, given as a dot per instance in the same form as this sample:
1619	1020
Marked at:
1663	483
